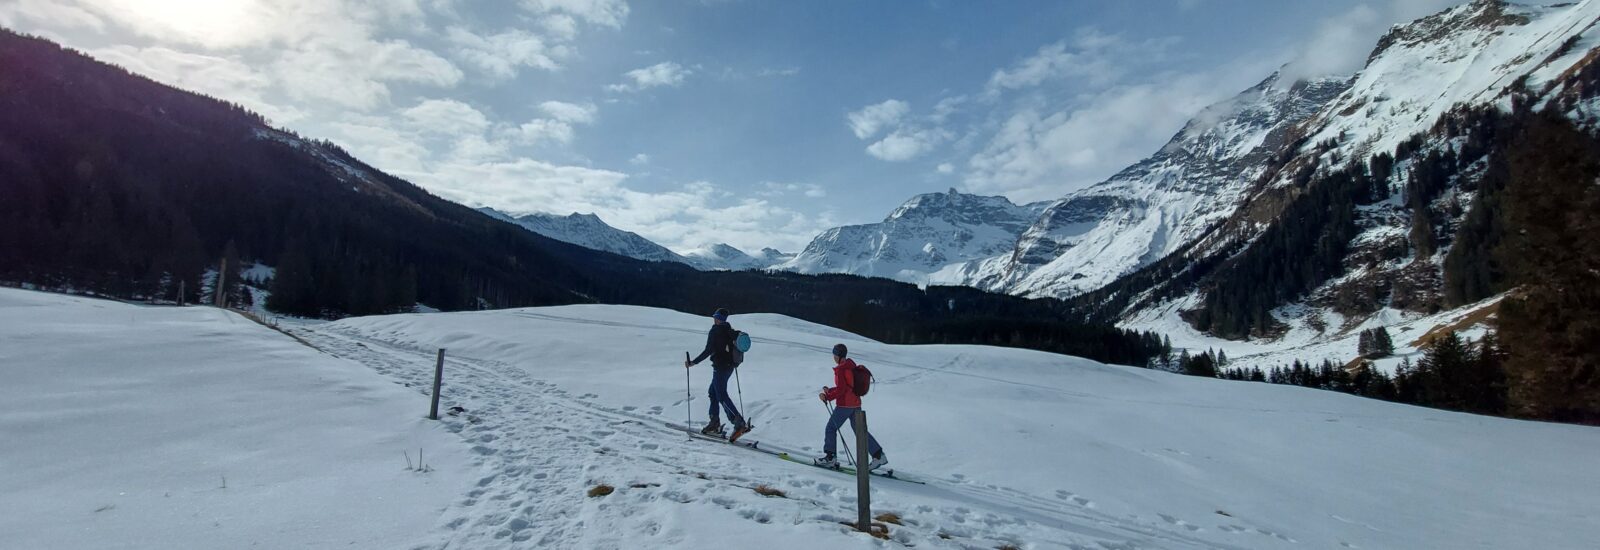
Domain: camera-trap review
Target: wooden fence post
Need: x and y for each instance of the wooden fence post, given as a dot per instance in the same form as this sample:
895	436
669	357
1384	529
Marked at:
221	290
863	475
438	378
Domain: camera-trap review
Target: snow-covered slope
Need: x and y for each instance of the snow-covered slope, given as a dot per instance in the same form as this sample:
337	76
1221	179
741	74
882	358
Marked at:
927	235
725	257
1022	448
128	426
1468	55
1420	103
1163	202
589	231
1017	448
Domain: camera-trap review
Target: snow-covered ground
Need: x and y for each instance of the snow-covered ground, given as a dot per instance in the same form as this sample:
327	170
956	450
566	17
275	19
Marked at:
126	426
1017	448
1329	338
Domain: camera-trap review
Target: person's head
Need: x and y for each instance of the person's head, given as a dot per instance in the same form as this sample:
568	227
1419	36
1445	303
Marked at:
719	316
840	353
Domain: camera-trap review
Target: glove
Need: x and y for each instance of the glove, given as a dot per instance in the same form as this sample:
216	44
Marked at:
687	364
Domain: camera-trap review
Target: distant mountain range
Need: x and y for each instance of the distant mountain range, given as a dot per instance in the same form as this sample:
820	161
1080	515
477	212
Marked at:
1235	174
589	231
921	240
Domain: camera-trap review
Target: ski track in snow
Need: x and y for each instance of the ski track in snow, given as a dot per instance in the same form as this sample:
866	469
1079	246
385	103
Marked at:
540	449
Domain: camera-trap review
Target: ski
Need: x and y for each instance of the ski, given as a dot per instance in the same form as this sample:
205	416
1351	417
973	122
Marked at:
756	446
847	470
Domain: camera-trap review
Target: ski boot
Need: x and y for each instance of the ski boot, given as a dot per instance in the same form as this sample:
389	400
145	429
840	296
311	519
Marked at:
740	427
878	461
827	461
713	429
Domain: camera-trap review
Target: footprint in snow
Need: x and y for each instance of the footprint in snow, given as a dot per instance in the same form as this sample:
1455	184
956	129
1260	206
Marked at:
1075	499
1179	522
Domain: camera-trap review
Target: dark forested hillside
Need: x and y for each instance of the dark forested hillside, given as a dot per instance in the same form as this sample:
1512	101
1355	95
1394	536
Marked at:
118	185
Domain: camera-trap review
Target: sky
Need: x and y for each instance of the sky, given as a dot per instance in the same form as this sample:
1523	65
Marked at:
748	122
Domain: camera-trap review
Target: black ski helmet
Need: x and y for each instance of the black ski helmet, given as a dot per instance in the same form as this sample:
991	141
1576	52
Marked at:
840	351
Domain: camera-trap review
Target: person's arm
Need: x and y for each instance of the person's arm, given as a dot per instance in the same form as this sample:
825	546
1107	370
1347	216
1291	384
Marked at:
711	340
840	382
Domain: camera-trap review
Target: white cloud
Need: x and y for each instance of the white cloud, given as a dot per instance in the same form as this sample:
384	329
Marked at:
445	116
946	107
608	13
501	55
560	26
1038	154
945	168
1340	44
213	25
872	118
1091	57
541	130
640	159
57	14
355	73
786	71
665	73
574	113
906	144
775	189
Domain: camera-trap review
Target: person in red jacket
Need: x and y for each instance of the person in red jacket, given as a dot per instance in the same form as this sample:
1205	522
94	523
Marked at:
843	392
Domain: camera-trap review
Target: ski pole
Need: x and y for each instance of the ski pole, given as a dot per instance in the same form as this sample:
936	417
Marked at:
688	409
742	410
848	454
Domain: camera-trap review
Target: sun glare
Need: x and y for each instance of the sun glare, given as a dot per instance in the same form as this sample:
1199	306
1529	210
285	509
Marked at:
208	22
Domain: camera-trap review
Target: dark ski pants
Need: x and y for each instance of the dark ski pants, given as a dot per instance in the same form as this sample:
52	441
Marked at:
841	414
719	395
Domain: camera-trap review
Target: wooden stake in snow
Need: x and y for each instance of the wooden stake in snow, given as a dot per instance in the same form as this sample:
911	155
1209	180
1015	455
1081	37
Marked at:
221	290
863	497
438	377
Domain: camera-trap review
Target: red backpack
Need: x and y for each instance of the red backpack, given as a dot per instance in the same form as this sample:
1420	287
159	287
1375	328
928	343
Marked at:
860	380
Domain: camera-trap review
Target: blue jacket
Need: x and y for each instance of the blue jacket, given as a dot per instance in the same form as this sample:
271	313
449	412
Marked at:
719	346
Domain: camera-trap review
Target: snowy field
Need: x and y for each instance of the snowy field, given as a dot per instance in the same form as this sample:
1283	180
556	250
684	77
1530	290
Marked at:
142	408
126	426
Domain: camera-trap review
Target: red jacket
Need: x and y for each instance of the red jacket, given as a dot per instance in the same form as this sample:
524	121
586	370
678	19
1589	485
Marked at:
843	389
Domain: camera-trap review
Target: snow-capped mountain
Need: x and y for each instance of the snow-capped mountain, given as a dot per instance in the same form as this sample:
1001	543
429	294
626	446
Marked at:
1473	54
921	240
589	231
723	256
1410	164
1399	149
1161	203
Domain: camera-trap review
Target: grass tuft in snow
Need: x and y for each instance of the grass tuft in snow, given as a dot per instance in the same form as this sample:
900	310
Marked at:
601	490
769	491
889	517
879	530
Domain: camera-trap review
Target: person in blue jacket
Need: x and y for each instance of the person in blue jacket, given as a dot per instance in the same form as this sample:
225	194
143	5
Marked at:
720	347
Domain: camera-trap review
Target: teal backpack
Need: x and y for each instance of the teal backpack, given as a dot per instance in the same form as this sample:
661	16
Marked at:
741	344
